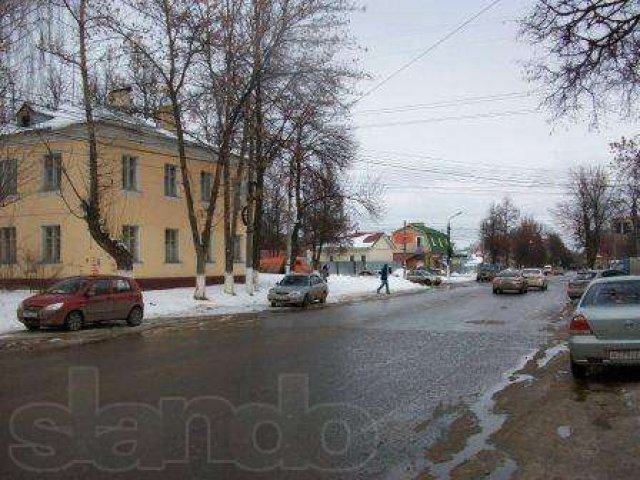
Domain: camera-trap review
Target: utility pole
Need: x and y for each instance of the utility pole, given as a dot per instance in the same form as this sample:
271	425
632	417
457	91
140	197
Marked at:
449	249
404	257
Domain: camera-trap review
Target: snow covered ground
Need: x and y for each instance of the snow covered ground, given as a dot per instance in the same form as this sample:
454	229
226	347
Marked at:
179	301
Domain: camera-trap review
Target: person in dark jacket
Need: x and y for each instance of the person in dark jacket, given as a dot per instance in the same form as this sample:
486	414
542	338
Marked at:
325	272
384	278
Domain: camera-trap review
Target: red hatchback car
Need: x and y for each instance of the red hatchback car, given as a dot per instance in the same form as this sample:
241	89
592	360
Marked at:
78	301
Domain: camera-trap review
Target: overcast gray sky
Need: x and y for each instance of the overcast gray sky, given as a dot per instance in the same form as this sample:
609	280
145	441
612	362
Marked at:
460	127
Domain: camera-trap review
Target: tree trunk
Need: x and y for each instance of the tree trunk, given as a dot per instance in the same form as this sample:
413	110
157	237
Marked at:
200	292
228	214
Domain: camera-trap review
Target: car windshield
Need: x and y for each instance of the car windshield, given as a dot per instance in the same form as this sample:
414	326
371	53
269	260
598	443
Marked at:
612	294
586	276
295	280
509	273
532	271
68	286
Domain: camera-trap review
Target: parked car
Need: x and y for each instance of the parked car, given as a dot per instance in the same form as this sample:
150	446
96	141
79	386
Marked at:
78	301
547	270
486	272
578	284
510	280
299	289
535	278
558	271
367	273
605	329
424	277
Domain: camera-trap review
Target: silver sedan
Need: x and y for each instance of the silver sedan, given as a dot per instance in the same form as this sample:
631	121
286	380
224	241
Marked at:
605	329
299	289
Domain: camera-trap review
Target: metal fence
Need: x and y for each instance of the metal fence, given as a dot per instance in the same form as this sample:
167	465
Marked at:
355	268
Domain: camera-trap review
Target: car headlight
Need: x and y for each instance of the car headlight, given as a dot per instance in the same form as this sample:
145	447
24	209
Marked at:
53	307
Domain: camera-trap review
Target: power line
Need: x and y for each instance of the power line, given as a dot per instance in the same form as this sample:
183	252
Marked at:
463	101
428	50
508	113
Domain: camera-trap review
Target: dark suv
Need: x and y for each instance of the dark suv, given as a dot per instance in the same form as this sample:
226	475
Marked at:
78	301
486	272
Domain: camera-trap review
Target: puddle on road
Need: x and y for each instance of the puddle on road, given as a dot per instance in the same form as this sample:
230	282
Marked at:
477	443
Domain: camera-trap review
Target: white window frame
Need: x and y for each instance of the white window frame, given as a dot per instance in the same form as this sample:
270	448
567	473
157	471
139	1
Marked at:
170	180
136	236
8	246
52	178
171	256
130	173
56	246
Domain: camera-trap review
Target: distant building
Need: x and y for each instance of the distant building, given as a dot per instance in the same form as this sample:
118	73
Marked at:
425	246
360	251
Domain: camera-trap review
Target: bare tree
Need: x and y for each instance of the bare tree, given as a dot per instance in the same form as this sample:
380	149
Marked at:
626	166
84	17
590	205
528	243
588	54
164	37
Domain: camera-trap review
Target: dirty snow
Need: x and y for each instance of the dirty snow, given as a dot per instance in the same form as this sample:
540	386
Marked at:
179	301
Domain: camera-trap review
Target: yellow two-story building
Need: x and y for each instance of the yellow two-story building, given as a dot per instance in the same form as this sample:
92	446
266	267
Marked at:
44	174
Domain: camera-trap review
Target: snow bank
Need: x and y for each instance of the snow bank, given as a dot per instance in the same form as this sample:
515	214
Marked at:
179	301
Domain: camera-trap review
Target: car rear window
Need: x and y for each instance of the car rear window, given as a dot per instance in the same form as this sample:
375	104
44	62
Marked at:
532	271
613	294
585	276
509	273
122	285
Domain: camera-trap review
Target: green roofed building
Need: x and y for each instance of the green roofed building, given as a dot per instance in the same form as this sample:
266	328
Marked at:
424	245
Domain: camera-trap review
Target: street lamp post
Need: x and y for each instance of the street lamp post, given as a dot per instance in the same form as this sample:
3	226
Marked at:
449	249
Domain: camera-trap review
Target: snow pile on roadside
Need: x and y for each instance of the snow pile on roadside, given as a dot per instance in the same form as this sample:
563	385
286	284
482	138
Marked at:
179	301
9	301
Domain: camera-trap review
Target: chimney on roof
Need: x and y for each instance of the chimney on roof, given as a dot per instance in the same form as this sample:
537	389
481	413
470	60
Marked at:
165	119
120	98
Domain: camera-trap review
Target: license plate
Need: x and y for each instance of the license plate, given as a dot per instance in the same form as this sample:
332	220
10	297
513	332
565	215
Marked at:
29	314
624	355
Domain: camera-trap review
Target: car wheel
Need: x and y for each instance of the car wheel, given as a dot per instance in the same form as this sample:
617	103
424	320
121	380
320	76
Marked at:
578	371
135	317
32	328
274	304
427	283
305	301
74	321
323	298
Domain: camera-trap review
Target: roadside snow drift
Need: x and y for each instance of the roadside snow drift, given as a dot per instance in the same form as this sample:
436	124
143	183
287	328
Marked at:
179	301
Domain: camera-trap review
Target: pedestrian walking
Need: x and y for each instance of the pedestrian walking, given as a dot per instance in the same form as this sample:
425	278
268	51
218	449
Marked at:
384	278
325	272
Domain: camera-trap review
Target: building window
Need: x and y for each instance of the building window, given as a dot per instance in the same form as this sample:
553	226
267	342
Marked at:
206	185
131	239
211	252
171	180
418	242
8	250
51	244
237	248
52	172
129	173
8	178
171	243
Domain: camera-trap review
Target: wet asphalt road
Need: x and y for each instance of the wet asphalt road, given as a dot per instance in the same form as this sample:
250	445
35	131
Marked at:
334	392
